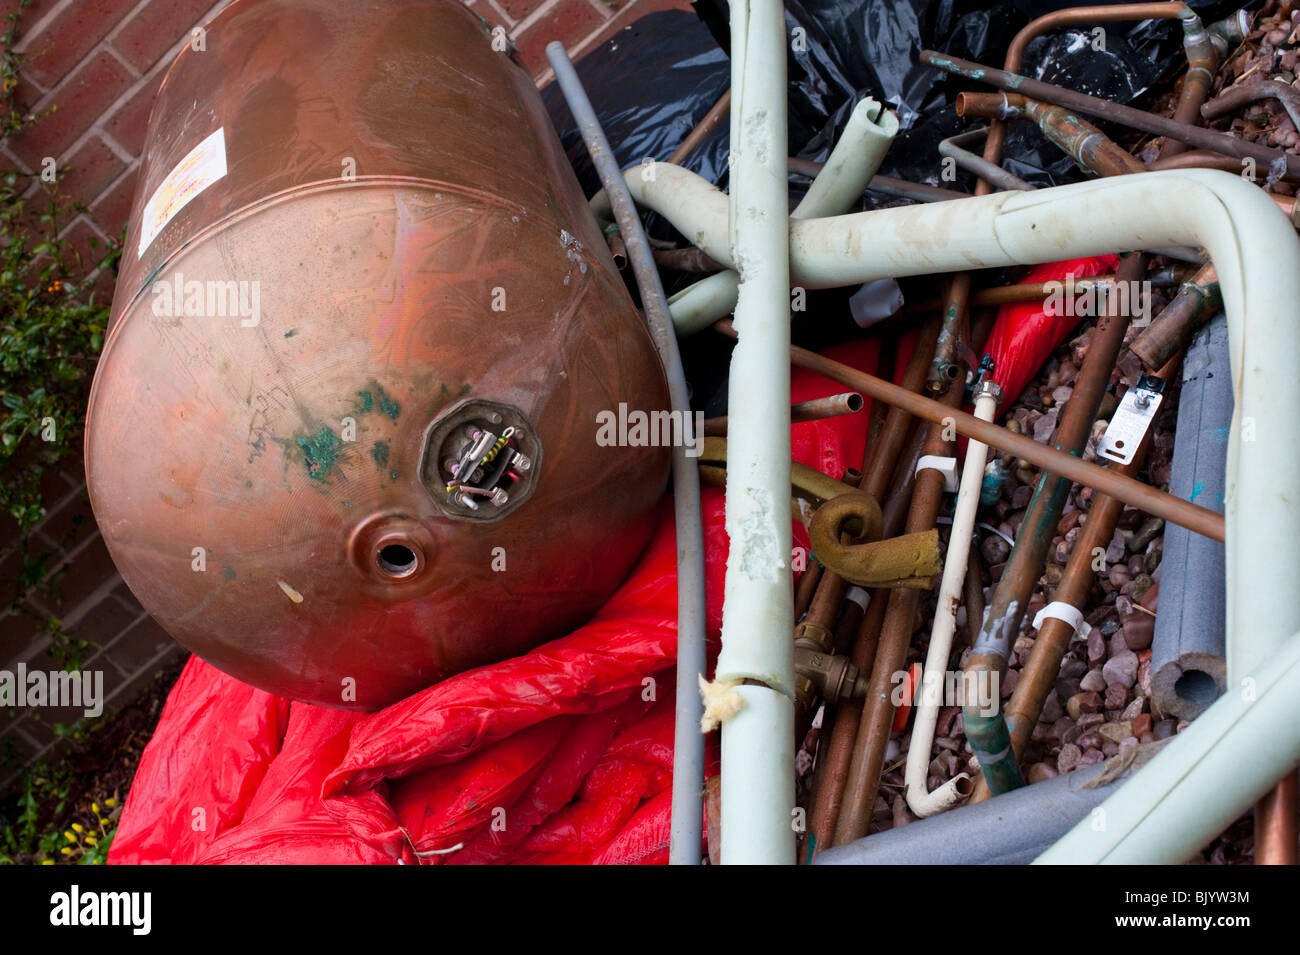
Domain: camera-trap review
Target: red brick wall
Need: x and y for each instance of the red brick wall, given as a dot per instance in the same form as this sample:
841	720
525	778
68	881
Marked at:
93	68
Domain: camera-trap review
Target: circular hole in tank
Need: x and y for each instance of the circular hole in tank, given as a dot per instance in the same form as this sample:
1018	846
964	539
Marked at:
397	560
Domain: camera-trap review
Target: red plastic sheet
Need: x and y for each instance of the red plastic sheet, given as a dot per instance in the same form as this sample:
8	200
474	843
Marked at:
1025	335
563	755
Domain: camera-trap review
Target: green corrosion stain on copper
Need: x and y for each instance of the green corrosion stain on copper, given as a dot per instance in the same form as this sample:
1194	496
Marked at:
376	395
290	333
320	451
387	405
380	453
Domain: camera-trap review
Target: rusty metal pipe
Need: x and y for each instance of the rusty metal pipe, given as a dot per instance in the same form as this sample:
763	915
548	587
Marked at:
1112	112
1131	492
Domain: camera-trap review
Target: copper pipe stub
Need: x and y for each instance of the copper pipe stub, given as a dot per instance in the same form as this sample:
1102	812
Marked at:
391	549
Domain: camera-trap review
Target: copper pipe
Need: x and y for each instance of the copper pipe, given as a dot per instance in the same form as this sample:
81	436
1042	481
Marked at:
863	780
1112	112
878	463
903	482
836	750
817	409
1015	294
973	591
806	587
1081	141
955	306
1134	493
702	129
1197	300
617	248
1039	673
1233	98
1275	824
1202	61
1197	159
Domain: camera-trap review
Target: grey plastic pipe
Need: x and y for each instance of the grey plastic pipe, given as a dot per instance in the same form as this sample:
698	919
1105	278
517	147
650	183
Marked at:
1013	829
687	823
1188	670
757	785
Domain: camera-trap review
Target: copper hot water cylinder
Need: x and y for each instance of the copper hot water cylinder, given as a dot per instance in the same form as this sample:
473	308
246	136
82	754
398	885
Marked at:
342	441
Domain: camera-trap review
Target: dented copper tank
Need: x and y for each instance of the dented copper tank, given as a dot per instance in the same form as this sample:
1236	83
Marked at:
342	441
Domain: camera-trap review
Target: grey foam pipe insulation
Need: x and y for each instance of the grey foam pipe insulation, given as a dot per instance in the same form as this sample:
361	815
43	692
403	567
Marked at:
1188	670
1011	829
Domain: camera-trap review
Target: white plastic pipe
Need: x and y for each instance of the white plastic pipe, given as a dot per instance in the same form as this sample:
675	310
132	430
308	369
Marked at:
758	602
1204	779
925	803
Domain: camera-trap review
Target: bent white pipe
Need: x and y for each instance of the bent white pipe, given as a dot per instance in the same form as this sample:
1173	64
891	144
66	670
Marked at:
852	163
758	602
925	803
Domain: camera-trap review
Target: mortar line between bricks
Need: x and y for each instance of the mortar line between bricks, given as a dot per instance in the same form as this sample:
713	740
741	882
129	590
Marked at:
34	29
603	10
506	19
113	52
114	147
534	17
145	668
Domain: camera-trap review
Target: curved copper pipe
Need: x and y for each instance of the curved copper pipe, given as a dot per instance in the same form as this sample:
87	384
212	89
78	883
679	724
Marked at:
1233	98
1081	141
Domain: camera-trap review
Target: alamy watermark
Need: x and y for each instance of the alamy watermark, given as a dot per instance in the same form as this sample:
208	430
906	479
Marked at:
650	429
54	688
1089	298
948	688
212	298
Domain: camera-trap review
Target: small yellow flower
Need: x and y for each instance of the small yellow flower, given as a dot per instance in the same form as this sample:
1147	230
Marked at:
70	836
103	821
76	827
47	862
94	807
110	802
92	841
66	850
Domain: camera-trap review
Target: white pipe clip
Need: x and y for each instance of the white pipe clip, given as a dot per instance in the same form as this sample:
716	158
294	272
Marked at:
1066	613
944	465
